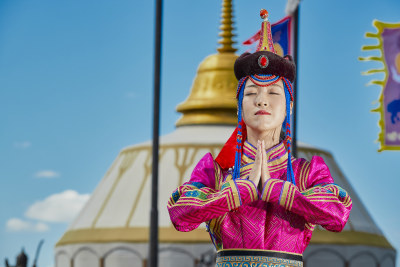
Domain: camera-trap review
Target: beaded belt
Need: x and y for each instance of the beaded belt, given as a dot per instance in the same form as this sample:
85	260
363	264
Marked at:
257	258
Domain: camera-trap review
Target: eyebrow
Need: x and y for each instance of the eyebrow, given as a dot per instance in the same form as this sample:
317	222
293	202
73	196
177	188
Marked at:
276	85
256	86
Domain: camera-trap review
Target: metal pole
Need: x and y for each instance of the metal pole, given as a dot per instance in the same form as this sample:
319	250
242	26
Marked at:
153	244
296	87
37	252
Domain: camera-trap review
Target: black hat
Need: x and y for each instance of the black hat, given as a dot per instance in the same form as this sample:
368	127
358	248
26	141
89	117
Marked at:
265	60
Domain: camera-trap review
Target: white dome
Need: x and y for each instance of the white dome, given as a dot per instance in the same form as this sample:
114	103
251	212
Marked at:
119	208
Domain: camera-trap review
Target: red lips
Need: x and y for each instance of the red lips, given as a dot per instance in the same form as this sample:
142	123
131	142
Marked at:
262	112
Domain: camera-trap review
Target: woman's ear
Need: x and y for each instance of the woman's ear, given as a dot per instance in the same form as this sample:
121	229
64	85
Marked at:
291	107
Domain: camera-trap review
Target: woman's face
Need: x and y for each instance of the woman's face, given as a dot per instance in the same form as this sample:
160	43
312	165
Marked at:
264	108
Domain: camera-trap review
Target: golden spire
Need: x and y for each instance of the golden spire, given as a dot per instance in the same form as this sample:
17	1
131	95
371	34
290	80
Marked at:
226	28
212	98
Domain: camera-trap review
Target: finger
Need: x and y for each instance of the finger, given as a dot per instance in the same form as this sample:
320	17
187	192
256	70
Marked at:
263	148
265	175
263	161
255	173
264	166
258	154
258	159
265	157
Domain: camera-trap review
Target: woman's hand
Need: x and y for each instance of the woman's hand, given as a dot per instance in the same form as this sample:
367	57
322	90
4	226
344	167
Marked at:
260	167
265	176
255	173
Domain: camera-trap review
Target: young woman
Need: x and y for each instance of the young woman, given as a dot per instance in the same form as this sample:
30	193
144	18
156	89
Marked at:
259	203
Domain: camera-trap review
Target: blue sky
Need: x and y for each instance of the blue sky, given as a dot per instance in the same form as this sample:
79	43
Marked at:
76	87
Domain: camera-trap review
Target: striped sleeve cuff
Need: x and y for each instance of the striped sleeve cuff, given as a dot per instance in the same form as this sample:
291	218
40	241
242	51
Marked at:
272	190
230	190
241	192
287	195
279	191
248	191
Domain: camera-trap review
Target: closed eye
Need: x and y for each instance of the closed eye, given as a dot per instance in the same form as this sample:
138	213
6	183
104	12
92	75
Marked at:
250	93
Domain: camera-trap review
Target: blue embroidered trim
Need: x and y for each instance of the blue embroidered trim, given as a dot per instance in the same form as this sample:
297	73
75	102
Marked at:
342	192
225	185
175	195
191	194
197	184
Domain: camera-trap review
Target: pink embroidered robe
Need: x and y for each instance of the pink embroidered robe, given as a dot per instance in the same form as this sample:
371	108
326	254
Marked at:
281	217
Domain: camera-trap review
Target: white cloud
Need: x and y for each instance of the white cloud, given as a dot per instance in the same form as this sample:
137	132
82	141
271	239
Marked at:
47	174
22	145
18	225
61	207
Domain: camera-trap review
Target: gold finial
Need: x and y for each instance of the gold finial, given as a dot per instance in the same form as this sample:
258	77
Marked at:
226	28
265	43
212	98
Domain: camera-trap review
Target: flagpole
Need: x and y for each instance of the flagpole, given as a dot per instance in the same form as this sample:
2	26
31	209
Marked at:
296	87
153	244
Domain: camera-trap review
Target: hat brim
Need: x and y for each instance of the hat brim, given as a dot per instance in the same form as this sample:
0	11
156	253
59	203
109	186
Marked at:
249	64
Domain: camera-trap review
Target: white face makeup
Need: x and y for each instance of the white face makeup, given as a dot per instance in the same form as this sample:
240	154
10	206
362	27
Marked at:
264	108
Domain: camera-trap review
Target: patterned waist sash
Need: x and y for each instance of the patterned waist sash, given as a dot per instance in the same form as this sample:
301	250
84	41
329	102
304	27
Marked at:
257	258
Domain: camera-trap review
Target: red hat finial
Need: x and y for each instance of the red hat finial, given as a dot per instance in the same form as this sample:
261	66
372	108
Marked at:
264	14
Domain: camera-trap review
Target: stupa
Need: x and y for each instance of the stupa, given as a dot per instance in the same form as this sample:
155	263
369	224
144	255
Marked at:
112	230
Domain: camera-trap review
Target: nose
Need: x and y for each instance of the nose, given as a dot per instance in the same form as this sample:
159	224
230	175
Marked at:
261	101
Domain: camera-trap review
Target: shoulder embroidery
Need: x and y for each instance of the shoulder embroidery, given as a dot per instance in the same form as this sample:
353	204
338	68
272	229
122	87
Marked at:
303	175
218	175
197	184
